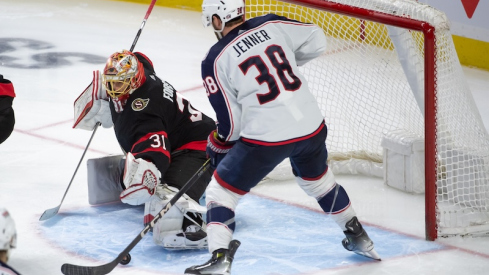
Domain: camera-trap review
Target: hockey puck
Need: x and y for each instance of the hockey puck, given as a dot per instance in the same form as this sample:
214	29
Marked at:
126	259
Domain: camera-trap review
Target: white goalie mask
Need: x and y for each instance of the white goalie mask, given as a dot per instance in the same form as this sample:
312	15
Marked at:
8	233
226	10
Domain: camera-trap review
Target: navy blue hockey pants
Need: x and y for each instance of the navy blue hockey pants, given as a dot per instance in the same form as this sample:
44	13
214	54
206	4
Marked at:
247	163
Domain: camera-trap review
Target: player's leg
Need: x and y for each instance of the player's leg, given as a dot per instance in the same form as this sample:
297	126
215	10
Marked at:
242	168
312	174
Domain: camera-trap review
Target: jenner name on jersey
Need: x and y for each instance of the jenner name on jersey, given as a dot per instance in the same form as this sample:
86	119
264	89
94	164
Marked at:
250	41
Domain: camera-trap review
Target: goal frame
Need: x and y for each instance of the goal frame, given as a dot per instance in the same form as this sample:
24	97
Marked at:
430	109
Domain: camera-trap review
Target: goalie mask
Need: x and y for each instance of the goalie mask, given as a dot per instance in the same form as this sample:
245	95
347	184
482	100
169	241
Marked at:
8	233
122	74
226	10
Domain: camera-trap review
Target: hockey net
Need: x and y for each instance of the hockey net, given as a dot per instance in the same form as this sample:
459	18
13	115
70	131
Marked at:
390	65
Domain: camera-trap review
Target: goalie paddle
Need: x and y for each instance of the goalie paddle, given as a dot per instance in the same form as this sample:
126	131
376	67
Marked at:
49	213
69	269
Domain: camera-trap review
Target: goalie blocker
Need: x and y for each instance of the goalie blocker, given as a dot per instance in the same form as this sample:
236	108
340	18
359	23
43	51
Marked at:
182	227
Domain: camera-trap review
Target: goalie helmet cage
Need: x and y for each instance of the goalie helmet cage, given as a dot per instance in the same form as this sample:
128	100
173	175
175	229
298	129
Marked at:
390	65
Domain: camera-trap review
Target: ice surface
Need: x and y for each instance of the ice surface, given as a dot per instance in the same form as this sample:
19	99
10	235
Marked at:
49	49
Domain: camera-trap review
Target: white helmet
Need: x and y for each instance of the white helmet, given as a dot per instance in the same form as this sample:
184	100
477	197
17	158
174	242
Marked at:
226	10
8	234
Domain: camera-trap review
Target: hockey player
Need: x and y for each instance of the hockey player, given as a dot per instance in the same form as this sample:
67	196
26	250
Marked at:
165	139
8	240
7	118
266	114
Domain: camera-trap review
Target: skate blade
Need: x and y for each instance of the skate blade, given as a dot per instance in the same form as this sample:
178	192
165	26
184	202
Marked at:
372	254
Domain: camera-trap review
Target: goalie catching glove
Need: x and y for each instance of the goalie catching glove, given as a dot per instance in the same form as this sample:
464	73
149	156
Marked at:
140	179
92	106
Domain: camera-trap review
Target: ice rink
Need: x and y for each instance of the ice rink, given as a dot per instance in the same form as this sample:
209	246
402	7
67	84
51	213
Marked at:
49	48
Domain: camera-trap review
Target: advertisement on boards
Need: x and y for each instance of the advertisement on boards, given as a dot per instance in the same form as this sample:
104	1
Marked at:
469	18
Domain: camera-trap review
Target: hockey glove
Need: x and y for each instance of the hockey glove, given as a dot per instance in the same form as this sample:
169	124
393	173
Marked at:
92	106
216	150
140	179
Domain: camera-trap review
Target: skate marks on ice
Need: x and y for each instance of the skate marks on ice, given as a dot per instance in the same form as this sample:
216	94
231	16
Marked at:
276	238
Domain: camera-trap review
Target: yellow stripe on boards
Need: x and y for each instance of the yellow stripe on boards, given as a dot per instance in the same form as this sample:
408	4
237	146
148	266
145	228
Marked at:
195	5
473	53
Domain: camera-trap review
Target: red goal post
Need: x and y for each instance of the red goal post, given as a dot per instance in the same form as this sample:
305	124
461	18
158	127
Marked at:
402	68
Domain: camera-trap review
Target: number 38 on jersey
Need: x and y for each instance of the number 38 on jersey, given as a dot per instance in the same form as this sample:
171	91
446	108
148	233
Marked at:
281	72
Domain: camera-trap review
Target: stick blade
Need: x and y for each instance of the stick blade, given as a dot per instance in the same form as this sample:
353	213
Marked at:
69	269
49	213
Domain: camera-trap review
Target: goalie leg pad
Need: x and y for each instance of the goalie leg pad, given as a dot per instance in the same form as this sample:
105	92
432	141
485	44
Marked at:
169	231
194	237
104	179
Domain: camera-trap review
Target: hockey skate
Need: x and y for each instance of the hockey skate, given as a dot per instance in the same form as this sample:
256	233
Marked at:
194	237
219	264
358	241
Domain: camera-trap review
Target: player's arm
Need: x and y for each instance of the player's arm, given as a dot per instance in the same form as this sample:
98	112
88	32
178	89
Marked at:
308	41
223	100
221	140
92	106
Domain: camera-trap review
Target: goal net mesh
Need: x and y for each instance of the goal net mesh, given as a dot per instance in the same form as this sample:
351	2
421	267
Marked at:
371	81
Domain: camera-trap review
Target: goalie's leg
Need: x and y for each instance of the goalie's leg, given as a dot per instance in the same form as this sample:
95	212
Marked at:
184	227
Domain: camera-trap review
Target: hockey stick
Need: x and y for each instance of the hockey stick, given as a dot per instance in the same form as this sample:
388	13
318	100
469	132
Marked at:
69	269
49	213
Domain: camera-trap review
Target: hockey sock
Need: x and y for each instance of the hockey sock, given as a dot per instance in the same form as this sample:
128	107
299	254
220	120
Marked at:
337	203
335	200
219	214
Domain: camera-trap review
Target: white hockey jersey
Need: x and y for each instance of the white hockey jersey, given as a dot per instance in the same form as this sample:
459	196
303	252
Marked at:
253	82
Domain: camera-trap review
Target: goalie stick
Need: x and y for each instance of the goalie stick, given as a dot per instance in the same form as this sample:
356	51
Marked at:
69	269
49	213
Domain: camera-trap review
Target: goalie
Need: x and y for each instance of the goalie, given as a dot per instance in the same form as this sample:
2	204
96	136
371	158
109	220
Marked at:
165	139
